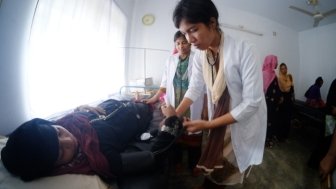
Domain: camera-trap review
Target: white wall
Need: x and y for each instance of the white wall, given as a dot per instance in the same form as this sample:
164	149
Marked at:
318	58
160	35
13	36
276	39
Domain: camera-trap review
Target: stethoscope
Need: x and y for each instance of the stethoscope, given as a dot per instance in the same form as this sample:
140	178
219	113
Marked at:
212	64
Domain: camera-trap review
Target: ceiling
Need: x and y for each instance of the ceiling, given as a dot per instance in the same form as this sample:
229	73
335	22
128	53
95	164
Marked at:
279	11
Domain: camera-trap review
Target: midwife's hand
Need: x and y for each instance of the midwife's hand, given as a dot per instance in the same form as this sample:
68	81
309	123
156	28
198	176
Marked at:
195	126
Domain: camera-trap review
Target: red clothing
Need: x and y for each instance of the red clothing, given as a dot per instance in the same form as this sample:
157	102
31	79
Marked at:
89	159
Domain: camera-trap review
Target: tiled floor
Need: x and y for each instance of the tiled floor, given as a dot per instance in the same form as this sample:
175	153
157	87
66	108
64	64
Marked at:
284	166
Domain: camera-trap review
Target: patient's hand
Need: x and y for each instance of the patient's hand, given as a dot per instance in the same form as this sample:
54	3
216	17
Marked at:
96	110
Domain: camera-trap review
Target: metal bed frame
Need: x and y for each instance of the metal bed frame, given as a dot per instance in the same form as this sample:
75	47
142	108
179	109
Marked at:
145	91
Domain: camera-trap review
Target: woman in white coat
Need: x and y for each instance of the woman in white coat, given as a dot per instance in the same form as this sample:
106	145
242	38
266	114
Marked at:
236	103
174	84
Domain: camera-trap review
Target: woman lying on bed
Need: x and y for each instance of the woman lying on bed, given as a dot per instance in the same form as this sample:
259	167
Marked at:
87	141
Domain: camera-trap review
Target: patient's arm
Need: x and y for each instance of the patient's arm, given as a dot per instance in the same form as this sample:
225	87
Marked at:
86	108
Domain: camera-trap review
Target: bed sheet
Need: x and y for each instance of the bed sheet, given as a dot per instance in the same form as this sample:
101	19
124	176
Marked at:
68	181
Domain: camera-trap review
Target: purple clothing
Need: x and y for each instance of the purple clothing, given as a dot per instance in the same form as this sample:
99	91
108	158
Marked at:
313	92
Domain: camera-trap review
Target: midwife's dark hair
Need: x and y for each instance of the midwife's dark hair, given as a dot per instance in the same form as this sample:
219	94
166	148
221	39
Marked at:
177	35
195	11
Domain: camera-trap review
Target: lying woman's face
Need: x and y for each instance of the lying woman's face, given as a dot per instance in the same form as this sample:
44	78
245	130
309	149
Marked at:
68	145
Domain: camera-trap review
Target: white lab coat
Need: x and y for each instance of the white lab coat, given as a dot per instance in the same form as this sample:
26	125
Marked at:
167	82
243	76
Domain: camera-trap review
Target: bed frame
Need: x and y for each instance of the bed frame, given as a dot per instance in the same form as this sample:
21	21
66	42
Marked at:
138	92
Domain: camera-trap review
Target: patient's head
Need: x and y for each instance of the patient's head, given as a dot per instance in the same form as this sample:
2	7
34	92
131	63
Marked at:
31	150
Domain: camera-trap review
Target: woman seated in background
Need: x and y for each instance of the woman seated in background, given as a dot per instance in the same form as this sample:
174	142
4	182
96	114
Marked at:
88	141
313	94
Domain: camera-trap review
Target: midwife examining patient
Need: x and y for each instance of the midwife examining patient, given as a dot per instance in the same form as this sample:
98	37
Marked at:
231	72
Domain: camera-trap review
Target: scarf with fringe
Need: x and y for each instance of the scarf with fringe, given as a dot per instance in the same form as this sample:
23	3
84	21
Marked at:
212	156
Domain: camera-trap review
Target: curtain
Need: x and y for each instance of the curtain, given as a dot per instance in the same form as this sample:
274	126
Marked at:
73	57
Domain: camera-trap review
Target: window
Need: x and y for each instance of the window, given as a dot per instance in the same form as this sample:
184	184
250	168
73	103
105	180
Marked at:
73	55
